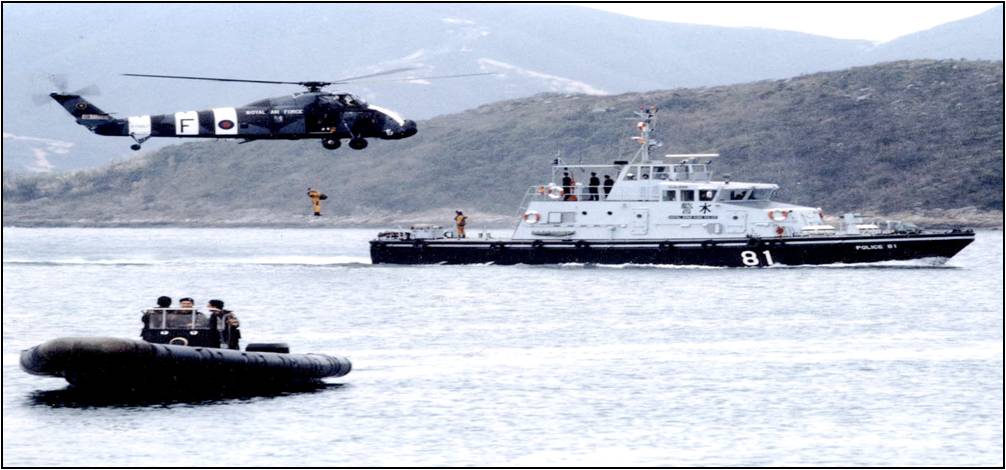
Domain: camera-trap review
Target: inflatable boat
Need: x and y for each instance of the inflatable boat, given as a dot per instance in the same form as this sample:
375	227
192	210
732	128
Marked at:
176	357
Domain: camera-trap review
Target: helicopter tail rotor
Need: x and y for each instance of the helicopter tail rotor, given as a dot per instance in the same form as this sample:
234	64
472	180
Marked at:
61	83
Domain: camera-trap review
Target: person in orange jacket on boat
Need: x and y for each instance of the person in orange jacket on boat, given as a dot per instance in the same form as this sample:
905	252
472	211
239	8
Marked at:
459	223
316	198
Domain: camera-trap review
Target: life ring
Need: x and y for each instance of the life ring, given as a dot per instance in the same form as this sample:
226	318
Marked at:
555	192
778	215
532	217
179	341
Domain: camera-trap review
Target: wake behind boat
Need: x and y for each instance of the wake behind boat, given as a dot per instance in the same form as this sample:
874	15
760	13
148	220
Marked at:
667	210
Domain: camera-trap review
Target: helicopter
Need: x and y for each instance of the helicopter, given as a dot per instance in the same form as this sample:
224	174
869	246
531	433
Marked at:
309	114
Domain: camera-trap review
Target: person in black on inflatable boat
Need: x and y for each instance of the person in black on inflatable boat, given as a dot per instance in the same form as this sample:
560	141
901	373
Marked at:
182	317
226	323
163	302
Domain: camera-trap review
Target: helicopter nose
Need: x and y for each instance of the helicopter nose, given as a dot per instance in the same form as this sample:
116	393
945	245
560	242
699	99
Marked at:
408	128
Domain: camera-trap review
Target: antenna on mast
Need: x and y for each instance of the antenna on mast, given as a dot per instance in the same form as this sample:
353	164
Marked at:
648	116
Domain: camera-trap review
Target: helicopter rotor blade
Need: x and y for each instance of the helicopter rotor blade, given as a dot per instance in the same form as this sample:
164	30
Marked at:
435	77
376	74
215	79
312	85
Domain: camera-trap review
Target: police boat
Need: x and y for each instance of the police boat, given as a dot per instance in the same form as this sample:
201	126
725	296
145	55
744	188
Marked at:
180	349
668	210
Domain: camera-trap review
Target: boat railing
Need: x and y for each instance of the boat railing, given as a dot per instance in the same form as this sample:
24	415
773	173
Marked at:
175	318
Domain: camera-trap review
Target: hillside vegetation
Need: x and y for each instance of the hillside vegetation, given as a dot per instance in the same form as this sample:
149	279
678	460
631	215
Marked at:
914	137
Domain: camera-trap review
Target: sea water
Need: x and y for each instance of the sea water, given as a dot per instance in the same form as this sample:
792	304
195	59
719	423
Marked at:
856	365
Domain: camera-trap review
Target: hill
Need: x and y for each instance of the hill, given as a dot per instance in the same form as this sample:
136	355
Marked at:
915	137
533	48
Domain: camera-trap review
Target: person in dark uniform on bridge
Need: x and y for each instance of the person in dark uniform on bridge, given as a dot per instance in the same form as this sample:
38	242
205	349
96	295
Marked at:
608	183
226	323
592	187
567	186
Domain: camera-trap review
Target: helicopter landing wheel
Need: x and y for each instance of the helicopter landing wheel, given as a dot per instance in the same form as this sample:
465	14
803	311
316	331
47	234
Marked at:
331	144
358	144
135	146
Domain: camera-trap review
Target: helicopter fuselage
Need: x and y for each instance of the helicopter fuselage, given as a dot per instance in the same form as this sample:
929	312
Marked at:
327	116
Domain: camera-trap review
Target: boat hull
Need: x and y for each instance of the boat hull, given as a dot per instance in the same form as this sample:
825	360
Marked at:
740	252
117	363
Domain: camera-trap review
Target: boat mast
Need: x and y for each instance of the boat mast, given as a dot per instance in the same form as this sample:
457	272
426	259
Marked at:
648	116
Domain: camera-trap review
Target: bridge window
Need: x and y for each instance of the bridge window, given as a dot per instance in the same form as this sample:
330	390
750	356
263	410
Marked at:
671	195
687	195
762	194
738	194
707	194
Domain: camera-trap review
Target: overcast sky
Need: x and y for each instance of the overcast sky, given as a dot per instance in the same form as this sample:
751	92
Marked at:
873	22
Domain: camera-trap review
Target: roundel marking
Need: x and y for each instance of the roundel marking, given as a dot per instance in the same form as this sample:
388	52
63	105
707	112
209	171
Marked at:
81	106
226	124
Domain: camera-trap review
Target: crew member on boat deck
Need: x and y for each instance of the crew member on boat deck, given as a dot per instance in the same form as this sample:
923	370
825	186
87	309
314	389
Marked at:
567	186
163	302
608	183
592	187
182	317
459	222
225	323
316	198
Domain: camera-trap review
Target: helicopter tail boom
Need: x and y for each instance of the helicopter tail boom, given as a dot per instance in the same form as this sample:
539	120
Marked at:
90	116
80	108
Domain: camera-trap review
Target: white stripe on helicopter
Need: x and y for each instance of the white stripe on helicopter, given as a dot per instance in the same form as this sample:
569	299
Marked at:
139	126
225	121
